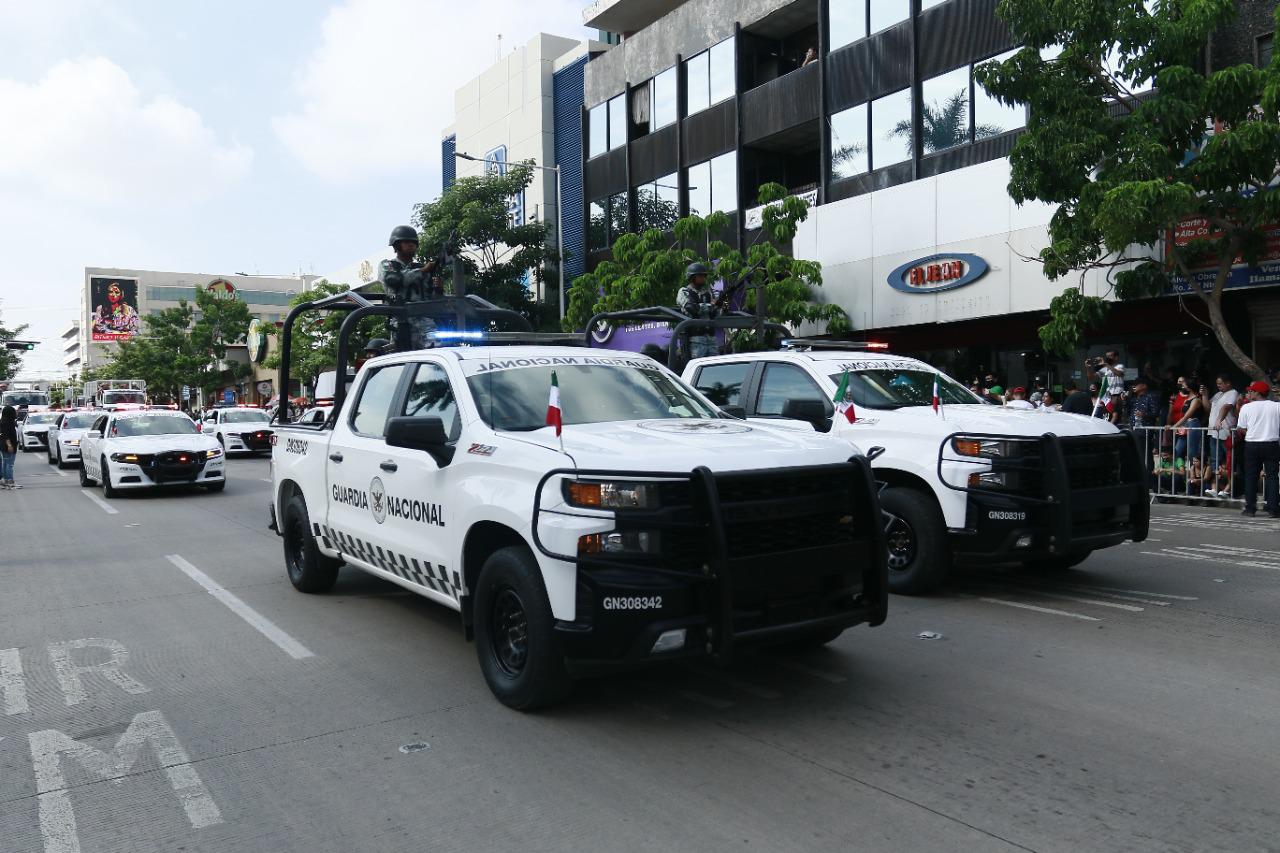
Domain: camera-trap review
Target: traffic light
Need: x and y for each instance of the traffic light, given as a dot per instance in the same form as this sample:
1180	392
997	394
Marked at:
22	345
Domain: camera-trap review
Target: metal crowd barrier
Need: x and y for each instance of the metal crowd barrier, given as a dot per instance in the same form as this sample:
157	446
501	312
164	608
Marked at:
1192	464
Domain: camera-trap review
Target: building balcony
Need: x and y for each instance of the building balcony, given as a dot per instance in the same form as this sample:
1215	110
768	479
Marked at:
785	102
626	16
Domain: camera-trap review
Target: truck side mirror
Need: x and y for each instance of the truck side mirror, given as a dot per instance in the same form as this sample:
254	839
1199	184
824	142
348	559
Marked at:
810	411
421	434
735	412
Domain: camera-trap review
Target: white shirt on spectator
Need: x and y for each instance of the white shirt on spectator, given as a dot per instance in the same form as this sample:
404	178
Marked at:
1019	404
1220	400
1260	421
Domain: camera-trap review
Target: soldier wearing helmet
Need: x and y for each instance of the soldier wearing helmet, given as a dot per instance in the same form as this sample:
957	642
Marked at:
696	300
408	281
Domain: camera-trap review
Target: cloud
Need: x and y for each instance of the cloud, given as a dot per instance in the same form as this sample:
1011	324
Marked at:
85	133
378	89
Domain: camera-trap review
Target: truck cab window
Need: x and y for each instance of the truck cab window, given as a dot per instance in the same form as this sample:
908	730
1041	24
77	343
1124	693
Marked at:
431	396
722	383
369	416
783	382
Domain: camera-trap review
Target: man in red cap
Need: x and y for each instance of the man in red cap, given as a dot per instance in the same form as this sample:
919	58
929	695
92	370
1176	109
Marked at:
1260	423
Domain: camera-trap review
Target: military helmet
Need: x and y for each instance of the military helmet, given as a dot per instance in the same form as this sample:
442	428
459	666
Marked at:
378	345
696	268
402	232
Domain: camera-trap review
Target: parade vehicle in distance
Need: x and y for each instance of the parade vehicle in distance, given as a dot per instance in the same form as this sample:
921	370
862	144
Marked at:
239	429
962	480
26	398
652	528
35	430
111	394
148	449
66	433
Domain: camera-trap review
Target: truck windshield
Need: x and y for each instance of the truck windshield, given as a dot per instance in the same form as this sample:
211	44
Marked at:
111	398
24	398
891	388
516	399
83	421
153	425
247	416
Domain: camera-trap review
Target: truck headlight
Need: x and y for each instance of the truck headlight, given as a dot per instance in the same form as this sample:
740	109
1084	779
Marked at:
994	480
987	448
213	454
611	495
619	542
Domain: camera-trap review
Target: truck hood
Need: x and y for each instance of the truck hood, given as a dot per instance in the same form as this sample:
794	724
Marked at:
160	443
978	418
682	444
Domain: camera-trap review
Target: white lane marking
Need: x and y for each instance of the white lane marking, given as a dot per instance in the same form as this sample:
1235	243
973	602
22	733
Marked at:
1048	610
829	677
106	507
1144	592
710	702
12	685
60	472
1204	558
1127	598
266	479
262	624
112	669
1115	604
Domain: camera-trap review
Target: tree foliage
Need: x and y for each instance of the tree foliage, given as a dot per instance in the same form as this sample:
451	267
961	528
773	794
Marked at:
473	215
647	269
10	360
1125	169
313	346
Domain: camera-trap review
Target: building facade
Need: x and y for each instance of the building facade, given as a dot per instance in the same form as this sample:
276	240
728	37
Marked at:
869	109
71	347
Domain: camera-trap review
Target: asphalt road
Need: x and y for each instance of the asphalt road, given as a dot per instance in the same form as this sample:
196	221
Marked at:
163	688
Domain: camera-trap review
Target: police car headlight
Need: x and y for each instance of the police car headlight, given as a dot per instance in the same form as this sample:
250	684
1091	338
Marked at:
611	495
124	457
73	442
213	454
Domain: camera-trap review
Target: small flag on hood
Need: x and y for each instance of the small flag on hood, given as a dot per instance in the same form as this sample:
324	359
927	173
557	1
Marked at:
553	404
937	400
844	405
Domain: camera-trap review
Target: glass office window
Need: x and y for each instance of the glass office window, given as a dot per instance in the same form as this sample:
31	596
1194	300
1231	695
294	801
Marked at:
662	107
619	216
849	143
989	115
724	182
699	179
598	130
848	21
597	228
927	4
945	110
722	72
891	129
697	83
666	202
886	13
617	121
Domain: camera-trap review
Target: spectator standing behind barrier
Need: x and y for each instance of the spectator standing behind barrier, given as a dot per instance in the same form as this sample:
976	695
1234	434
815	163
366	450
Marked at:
1260	423
8	446
1186	413
1018	399
1077	401
1222	420
1144	410
1110	375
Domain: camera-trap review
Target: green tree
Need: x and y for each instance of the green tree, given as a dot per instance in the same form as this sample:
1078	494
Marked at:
10	360
313	347
497	256
219	323
648	269
1126	170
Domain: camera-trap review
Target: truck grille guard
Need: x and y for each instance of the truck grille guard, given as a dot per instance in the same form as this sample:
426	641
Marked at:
705	521
1065	475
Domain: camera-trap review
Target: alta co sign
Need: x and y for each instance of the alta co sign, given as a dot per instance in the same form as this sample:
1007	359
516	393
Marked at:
937	272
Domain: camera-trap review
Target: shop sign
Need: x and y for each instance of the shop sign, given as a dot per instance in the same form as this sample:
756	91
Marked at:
1196	229
495	163
937	272
220	288
256	339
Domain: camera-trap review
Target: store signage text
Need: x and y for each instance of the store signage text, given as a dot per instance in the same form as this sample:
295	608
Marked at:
937	272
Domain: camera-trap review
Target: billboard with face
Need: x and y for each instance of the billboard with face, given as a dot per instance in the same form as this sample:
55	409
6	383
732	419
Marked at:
115	308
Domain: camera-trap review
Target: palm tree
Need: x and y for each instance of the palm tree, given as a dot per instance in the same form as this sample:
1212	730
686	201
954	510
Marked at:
946	125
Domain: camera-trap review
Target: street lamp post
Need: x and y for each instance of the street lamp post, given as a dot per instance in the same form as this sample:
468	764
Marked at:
462	155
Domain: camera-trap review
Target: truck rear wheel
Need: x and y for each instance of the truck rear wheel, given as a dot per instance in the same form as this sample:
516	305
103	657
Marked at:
519	656
309	570
919	557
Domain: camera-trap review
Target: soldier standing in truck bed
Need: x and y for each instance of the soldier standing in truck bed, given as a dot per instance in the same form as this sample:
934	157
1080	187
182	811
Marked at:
408	281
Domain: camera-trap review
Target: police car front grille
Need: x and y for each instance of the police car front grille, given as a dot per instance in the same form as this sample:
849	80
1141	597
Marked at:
172	464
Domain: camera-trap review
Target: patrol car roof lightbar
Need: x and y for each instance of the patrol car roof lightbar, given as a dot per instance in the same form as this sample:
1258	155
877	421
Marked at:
828	344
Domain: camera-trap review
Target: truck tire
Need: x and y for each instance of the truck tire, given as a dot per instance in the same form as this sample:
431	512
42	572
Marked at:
308	569
108	490
1058	564
919	555
519	657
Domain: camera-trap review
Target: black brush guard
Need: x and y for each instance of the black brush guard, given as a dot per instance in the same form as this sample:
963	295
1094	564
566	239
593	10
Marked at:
708	543
1064	480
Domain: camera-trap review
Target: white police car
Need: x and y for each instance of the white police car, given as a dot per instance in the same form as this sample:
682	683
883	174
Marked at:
145	449
35	430
239	429
65	435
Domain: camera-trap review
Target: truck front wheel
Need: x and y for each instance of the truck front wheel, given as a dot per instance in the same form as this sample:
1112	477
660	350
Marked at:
919	557
309	570
518	654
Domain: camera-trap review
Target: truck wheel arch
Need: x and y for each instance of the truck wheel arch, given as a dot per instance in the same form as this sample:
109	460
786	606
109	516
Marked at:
288	488
483	539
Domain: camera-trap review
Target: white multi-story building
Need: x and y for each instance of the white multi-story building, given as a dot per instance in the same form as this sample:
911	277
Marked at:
71	347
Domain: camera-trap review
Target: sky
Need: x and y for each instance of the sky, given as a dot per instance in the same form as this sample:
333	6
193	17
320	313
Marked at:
270	137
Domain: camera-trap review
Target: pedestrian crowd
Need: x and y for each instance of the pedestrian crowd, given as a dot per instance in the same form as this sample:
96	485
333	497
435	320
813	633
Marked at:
1203	438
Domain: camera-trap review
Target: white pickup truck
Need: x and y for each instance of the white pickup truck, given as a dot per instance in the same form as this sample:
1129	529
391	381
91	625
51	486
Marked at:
653	528
965	482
